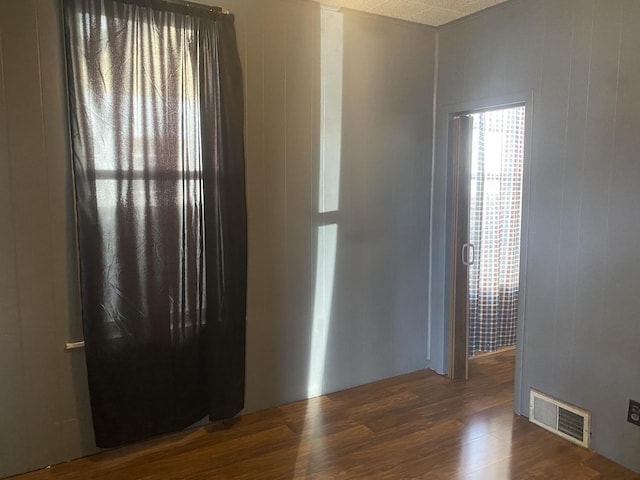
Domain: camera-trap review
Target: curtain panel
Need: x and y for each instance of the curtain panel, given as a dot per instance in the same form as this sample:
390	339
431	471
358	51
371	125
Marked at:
496	204
156	113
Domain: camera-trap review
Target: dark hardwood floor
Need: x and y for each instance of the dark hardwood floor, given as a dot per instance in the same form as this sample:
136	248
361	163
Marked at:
418	425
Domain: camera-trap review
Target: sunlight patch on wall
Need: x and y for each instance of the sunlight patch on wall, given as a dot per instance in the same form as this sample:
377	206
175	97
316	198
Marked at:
331	58
325	269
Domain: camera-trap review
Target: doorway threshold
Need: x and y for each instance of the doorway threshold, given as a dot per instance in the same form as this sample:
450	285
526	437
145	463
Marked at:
496	352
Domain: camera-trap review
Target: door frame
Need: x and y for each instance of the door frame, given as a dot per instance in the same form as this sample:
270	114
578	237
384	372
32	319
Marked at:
470	107
460	143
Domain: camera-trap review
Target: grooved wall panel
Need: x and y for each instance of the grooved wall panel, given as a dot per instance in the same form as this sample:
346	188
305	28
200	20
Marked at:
377	320
581	316
43	402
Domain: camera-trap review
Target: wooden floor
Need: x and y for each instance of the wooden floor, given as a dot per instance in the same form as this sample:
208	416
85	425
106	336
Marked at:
419	425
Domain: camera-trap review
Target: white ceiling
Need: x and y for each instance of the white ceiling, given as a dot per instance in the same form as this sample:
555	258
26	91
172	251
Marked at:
428	12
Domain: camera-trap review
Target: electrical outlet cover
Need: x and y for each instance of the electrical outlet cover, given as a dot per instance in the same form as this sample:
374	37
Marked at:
634	412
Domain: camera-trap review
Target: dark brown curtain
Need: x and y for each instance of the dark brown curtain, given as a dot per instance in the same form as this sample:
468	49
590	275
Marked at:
156	109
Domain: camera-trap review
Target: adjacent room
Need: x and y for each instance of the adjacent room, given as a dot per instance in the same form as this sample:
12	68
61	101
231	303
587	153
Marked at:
319	239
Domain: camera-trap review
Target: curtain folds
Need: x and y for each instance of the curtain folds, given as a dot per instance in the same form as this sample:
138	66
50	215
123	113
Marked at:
496	204
156	110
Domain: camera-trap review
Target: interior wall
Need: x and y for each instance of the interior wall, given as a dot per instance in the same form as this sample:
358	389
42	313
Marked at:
580	60
377	319
378	313
44	408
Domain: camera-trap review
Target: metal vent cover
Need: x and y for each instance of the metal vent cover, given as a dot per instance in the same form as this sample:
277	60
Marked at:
571	423
561	418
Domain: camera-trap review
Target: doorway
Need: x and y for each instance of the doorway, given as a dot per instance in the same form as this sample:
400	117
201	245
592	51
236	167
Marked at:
488	151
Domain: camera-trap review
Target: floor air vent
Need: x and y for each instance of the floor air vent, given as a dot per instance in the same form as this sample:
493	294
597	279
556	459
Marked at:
560	418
